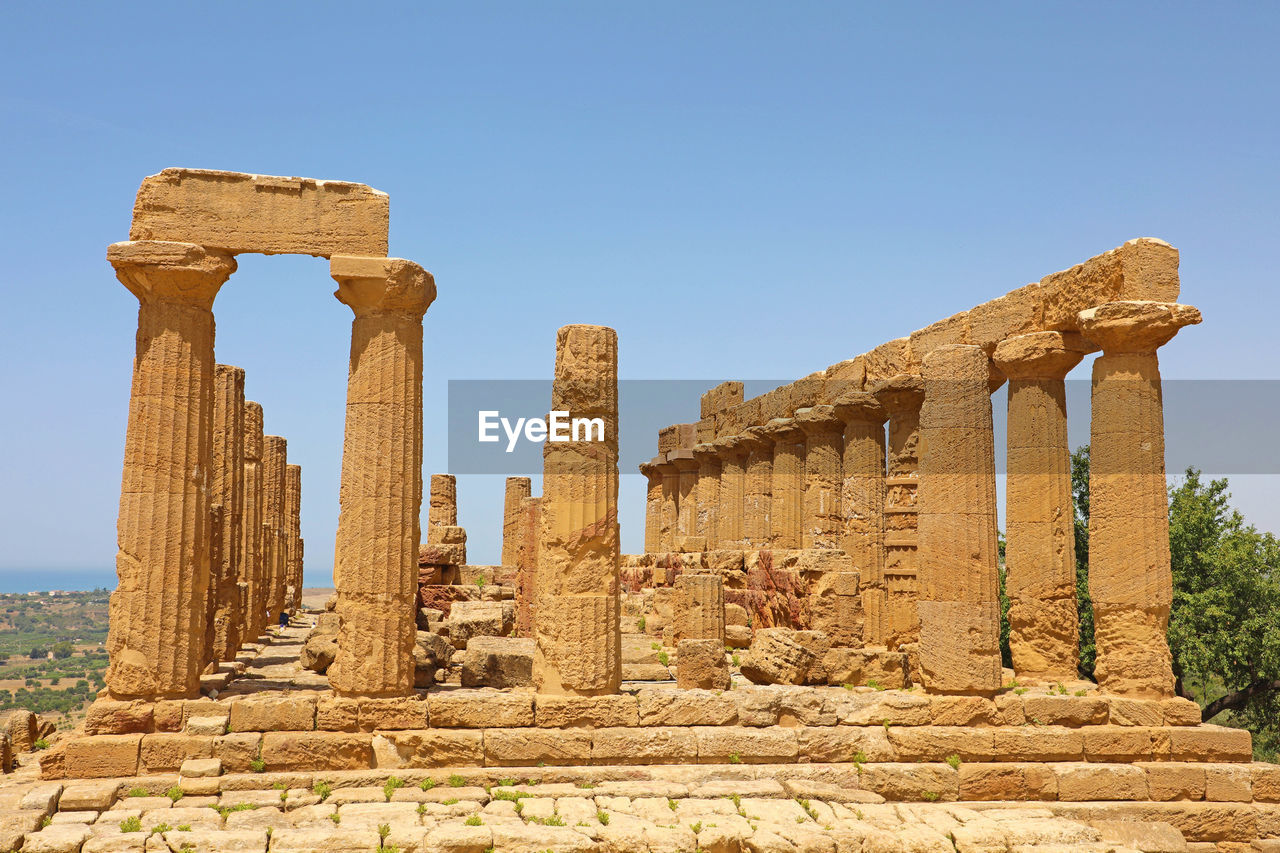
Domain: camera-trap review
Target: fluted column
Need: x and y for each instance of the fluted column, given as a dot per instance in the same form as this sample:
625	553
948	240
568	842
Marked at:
901	396
822	523
757	487
226	492
275	458
576	624
253	562
517	489
527	565
862	503
157	612
652	507
293	536
1130	580
1040	551
708	494
670	519
959	603
686	494
380	498
729	527
786	505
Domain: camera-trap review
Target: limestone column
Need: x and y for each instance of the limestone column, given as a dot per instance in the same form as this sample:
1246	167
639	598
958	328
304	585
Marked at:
293	536
670	517
822	523
275	458
698	608
862	498
443	509
787	495
652	507
380	498
226	492
518	488
732	482
579	639
686	494
527	565
959	603
901	396
1040	550
757	488
708	494
253	550
1130	580
157	612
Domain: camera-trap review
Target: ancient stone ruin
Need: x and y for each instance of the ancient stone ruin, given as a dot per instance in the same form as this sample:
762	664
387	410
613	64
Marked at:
805	657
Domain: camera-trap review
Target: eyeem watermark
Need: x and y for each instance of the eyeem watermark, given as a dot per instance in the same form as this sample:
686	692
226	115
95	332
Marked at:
557	427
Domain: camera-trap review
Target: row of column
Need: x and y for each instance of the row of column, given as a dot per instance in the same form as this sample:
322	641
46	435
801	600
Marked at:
194	523
917	513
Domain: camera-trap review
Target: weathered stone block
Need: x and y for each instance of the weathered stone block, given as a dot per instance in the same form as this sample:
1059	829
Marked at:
1007	782
316	751
101	756
428	748
527	747
501	662
650	745
731	744
1084	782
165	751
273	714
586	711
481	709
662	707
702	665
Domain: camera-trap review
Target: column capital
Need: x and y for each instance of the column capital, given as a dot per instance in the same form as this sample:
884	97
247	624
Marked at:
754	438
162	271
683	459
1135	327
705	451
730	447
819	420
372	286
650	468
783	431
1040	355
860	407
901	393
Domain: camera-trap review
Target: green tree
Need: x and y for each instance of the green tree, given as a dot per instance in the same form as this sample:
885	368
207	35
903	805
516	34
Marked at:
38	653
62	650
1080	497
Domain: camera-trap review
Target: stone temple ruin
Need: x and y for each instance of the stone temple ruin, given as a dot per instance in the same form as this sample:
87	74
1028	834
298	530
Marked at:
805	657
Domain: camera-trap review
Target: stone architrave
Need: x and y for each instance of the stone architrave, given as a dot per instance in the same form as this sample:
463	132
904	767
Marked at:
698	608
959	604
757	487
275	458
253	562
652	507
517	489
786	504
157	612
1130	580
226	492
686	492
822	523
527	565
729	528
669	517
708	494
863	501
293	536
893	618
576	624
376	558
1040	552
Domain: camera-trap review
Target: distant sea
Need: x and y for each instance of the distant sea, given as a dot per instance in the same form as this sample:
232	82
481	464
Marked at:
43	580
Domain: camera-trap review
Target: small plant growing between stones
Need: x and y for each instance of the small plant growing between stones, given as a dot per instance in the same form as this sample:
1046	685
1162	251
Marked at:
284	796
886	724
672	804
657	647
664	658
175	793
138	792
160	829
480	582
131	824
735	758
1019	690
586	784
1082	692
422	809
954	761
695	828
184	827
506	783
808	808
929	796
737	661
45	821
258	765
41	744
640	624
384	829
336	818
456	781
394	784
427	784
859	758
452	801
602	816
322	790
474	820
278	786
875	685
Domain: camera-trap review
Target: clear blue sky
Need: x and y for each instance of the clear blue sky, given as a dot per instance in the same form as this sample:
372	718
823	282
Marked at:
741	189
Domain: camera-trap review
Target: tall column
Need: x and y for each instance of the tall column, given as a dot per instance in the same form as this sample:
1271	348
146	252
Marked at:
698	608
380	498
687	493
708	496
226	492
652	507
757	487
252	571
959	601
1130	580
579	638
901	396
275	458
822	524
518	488
1040	550
670	517
733	459
527	565
157	612
443	508
293	536
862	498
786	505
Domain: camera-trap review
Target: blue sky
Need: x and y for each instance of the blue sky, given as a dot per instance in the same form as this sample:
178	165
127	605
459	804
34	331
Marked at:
743	190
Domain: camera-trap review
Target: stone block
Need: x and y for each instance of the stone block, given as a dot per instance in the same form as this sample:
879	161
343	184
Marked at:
937	743
734	744
211	726
912	782
648	745
403	712
1228	783
289	750
702	664
784	656
1266	783
874	709
337	714
865	667
165	751
527	747
664	707
480	709
115	717
1007	782
1136	712
273	714
1086	782
1174	780
82	796
200	768
101	756
237	751
1117	743
447	748
1065	710
962	711
590	711
501	662
1210	743
1038	743
845	744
